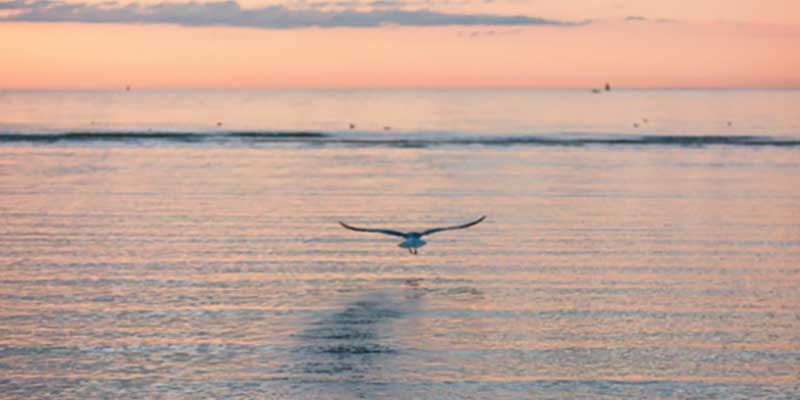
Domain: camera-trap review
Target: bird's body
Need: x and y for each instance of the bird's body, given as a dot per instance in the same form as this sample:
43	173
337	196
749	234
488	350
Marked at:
412	240
412	244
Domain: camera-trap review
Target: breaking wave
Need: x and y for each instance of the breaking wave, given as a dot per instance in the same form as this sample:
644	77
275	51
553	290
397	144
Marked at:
319	138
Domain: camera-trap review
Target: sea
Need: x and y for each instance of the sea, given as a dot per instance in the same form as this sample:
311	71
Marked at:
185	244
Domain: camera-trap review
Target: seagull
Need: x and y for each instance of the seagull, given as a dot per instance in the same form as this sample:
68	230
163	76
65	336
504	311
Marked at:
412	240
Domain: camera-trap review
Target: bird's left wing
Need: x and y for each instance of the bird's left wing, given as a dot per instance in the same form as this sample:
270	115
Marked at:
467	225
384	231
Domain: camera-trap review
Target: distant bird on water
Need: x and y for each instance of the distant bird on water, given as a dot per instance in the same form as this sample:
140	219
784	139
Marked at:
412	240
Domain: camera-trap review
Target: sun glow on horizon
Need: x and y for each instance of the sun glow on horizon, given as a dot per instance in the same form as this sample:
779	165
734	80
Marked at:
641	47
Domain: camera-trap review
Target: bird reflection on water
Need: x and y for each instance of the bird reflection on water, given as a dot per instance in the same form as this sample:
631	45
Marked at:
351	348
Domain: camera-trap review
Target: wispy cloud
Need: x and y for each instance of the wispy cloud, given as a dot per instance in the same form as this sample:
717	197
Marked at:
639	18
488	33
15	4
374	4
635	18
395	4
230	13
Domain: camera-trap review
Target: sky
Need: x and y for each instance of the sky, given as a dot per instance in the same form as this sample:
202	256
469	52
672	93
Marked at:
90	44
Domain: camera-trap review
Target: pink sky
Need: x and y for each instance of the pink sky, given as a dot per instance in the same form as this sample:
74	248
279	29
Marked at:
702	43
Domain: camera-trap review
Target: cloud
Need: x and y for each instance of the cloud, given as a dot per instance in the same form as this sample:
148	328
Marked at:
230	13
638	18
387	3
635	18
19	4
488	33
372	4
414	3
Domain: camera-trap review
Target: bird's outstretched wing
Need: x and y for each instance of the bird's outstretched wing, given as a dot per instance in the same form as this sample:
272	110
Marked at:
467	225
384	231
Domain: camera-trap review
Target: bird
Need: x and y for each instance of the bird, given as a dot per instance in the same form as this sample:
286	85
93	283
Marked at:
413	240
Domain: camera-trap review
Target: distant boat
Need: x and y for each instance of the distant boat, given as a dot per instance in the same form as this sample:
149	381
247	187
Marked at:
128	88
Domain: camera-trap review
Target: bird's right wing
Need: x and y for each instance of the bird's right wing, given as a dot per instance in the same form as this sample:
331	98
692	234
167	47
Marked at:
384	231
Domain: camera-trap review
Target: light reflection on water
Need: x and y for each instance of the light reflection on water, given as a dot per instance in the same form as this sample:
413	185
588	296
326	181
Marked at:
462	111
203	271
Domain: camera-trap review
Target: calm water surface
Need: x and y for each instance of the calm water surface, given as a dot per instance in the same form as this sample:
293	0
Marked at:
171	269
